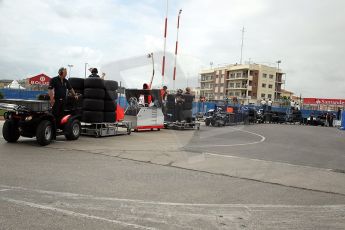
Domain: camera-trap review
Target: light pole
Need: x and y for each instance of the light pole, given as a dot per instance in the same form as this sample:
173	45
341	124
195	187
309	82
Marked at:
150	55
277	79
69	72
85	69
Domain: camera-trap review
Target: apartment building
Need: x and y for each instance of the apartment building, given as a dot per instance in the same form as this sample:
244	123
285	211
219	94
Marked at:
248	83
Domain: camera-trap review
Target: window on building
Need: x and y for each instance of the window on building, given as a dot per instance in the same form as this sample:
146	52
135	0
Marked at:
263	95
238	85
263	85
269	95
231	85
271	76
238	75
264	75
270	86
231	93
232	75
237	93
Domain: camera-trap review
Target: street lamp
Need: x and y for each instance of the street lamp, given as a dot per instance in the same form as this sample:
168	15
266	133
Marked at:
69	72
85	69
150	55
277	79
278	62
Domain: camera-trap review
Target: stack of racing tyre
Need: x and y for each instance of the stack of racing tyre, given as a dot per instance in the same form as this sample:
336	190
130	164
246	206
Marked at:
78	85
93	101
187	107
110	101
170	108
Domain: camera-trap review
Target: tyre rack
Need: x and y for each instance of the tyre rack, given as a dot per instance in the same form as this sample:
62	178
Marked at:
182	125
106	129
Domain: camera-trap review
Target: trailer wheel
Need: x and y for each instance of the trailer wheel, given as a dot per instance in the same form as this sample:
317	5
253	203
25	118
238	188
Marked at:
44	133
10	131
72	130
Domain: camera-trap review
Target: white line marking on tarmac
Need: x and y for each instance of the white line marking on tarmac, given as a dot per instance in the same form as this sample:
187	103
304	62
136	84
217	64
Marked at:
242	144
75	214
268	161
4	190
90	197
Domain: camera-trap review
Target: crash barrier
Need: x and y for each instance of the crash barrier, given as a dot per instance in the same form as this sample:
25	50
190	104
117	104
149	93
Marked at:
342	120
21	94
203	107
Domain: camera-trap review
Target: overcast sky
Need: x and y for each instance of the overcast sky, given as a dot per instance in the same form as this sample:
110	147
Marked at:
308	36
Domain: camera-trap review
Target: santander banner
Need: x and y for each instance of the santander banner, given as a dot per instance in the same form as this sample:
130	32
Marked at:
324	101
40	79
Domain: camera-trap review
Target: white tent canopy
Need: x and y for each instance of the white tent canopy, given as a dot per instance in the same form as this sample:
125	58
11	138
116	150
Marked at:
14	85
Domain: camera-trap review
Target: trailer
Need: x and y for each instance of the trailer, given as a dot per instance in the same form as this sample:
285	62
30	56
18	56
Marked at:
180	125
106	129
144	114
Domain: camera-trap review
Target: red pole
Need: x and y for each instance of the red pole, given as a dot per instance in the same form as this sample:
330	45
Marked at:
176	46
165	41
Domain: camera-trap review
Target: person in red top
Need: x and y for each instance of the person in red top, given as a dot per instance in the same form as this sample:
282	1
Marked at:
164	95
148	98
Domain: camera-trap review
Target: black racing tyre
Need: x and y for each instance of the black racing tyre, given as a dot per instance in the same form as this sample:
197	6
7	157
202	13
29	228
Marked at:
110	106
213	122
94	93
73	103
187	115
93	105
94	82
171	98
110	95
44	132
79	91
76	83
10	131
92	116
109	117
111	85
72	129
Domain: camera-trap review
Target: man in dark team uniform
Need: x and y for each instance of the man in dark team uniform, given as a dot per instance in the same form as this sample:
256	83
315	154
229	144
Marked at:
57	90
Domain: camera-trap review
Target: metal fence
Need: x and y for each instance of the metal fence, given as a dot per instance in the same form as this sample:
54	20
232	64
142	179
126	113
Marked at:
21	94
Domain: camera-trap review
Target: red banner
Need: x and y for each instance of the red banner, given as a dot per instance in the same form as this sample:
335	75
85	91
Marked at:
323	101
40	79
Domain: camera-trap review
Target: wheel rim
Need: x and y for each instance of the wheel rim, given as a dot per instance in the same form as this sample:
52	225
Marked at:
48	132
75	129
